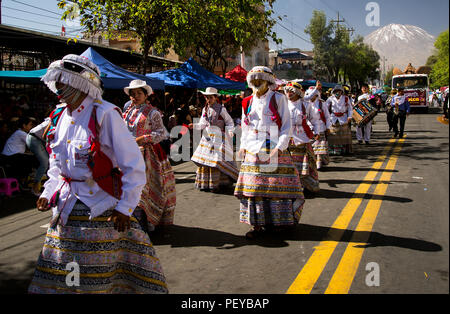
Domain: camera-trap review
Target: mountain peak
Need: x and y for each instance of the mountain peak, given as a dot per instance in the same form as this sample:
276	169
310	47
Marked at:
402	44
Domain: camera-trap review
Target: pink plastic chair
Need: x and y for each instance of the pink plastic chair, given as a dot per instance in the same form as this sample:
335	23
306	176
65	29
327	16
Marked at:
8	186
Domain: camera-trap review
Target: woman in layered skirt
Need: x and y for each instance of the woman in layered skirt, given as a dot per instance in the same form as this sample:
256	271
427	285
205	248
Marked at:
268	187
300	146
321	121
144	121
107	261
341	110
214	154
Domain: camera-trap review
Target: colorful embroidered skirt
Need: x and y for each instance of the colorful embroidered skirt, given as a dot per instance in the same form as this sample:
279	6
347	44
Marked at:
340	140
109	262
211	178
269	193
305	161
214	154
158	198
320	148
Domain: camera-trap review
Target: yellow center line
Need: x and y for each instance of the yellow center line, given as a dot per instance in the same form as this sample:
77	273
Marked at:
345	273
312	270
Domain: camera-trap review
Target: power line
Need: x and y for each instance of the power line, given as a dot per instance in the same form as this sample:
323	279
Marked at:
29	5
294	33
26	20
34	13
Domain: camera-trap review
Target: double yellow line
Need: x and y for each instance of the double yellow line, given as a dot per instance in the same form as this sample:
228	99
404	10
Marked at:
343	277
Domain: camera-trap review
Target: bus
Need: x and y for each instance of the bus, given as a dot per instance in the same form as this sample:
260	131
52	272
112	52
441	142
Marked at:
416	88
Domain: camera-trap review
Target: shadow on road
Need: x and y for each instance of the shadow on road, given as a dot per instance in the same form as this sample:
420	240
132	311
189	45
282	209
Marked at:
181	236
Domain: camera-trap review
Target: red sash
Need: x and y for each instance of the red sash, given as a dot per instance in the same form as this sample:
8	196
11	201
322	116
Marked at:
305	125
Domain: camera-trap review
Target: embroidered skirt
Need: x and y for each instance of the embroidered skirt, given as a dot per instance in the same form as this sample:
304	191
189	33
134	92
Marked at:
320	148
340	140
213	154
269	193
305	161
108	262
158	198
211	178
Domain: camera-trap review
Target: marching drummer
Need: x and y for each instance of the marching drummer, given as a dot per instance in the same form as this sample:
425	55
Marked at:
364	131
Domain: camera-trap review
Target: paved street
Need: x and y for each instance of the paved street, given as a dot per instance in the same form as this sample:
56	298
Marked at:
385	208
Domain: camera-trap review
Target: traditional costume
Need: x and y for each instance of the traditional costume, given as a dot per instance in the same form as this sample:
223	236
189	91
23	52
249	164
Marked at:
300	147
364	132
270	194
90	140
321	121
341	111
214	154
158	198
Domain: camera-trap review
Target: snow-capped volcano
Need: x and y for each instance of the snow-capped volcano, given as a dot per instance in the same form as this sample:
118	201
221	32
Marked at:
402	44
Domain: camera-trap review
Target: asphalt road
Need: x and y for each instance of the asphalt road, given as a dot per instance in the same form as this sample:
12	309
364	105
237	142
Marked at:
380	224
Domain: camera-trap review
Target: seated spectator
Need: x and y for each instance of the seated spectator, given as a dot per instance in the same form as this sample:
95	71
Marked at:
14	155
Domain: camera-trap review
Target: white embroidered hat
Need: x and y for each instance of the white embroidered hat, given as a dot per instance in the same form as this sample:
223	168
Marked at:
138	84
294	87
312	91
261	73
76	71
210	91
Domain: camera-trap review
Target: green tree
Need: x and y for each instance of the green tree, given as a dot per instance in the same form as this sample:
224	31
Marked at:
147	20
211	30
215	30
439	70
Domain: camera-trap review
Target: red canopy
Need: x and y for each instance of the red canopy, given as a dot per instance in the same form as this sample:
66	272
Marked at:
238	74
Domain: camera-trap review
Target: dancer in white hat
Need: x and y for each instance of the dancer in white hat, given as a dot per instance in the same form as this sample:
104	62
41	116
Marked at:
300	146
320	118
268	187
214	154
96	176
341	110
144	121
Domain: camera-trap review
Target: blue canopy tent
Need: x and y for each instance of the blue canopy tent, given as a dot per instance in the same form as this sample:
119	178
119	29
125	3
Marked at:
113	76
309	83
192	75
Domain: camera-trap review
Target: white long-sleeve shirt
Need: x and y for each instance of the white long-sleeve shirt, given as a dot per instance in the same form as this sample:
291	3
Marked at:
70	155
261	126
316	120
340	106
298	132
211	116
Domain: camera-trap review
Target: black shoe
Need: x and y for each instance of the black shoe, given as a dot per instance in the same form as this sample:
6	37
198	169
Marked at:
360	142
396	134
367	143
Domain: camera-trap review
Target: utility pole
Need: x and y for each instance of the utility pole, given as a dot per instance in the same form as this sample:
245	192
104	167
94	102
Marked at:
0	12
338	21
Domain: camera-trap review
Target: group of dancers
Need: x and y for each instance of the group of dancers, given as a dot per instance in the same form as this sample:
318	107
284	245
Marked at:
111	183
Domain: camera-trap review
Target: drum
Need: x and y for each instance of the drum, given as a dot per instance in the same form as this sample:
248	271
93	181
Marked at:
363	112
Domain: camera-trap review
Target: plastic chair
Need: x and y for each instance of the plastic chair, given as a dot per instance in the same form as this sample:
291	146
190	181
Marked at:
8	186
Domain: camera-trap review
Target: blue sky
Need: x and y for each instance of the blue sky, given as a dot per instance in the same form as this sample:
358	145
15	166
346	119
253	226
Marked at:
431	15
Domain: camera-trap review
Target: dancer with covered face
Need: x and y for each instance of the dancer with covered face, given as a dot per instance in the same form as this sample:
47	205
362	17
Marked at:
96	176
320	119
341	110
268	187
300	146
214	154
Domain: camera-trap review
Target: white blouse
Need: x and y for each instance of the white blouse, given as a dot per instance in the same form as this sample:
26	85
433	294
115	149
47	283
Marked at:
260	125
319	125
340	106
70	155
298	132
